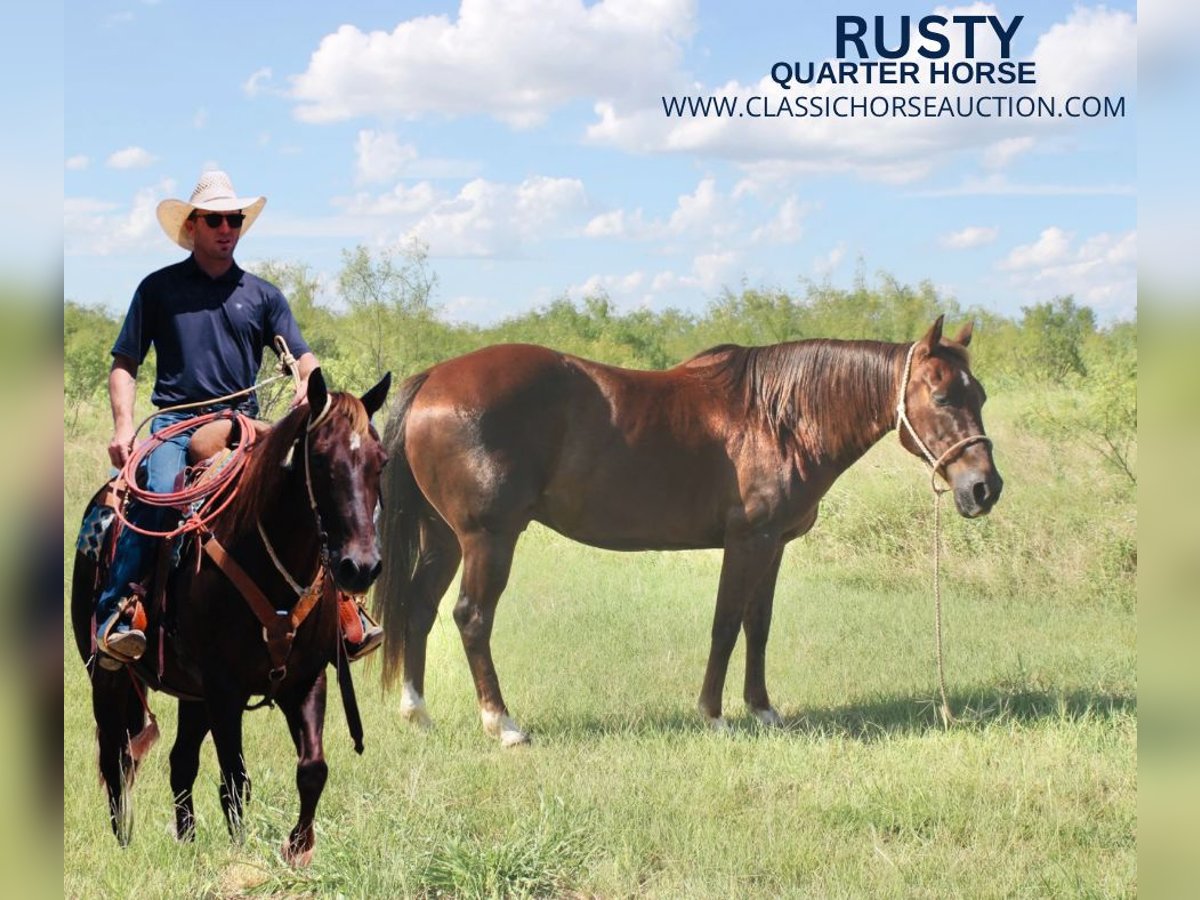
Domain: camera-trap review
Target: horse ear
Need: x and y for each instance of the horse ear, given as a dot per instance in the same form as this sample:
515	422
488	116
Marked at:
373	399
964	334
318	394
933	337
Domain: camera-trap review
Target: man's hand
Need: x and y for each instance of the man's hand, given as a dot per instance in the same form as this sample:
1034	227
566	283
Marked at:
301	395
304	365
121	446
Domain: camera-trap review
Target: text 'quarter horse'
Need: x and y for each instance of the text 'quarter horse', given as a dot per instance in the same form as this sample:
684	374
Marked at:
301	528
733	449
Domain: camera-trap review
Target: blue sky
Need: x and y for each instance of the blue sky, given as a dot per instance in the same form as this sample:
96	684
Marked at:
523	142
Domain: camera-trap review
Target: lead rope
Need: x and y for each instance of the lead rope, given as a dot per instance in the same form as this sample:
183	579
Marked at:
935	464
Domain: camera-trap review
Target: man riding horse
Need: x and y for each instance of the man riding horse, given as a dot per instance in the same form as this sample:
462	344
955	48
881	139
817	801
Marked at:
208	321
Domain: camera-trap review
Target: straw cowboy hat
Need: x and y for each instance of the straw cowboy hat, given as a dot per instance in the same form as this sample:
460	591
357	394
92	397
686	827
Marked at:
214	193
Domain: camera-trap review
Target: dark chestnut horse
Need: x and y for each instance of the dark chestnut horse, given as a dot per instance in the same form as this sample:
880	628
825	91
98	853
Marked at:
733	448
308	496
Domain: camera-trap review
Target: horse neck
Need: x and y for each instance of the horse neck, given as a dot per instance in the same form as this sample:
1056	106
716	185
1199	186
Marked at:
859	406
280	506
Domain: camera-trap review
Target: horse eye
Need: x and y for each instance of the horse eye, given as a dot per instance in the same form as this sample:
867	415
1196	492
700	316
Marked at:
941	399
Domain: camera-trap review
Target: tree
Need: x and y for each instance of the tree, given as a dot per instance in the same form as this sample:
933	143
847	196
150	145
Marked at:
1053	337
390	314
88	334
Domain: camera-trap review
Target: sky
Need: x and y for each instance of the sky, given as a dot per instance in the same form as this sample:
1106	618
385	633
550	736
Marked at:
523	143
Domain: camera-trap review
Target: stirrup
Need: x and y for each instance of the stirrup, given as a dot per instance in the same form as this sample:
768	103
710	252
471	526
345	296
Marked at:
120	646
372	640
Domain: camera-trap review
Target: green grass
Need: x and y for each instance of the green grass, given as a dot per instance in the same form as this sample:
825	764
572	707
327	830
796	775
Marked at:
624	793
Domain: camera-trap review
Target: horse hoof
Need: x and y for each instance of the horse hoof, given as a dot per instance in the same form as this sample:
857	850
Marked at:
297	859
418	717
768	717
501	726
513	738
719	725
412	708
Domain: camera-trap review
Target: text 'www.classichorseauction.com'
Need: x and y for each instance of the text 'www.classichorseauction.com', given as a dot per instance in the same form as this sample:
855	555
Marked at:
932	39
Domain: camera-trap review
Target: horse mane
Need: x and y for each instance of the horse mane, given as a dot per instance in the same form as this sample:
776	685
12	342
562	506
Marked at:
823	396
266	468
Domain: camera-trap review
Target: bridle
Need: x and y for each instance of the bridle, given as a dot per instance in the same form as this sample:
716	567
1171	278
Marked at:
935	462
323	566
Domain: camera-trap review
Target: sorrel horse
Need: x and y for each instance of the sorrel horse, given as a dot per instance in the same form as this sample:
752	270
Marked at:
304	515
733	448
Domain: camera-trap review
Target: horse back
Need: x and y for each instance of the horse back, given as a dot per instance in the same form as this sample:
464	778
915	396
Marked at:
614	457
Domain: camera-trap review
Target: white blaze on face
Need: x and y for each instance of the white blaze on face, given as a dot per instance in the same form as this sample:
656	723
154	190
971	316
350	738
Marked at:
355	440
966	379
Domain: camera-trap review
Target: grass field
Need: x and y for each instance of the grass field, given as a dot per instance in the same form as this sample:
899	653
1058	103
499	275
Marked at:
624	793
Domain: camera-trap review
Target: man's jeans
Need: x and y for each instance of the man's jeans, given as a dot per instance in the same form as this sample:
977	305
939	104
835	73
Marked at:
135	552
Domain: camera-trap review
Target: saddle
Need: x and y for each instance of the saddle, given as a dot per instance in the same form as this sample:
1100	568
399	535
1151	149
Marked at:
209	447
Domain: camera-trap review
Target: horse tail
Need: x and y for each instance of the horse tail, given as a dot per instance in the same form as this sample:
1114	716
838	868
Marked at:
399	533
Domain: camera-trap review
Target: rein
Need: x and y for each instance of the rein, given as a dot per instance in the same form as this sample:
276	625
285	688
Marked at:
280	626
935	464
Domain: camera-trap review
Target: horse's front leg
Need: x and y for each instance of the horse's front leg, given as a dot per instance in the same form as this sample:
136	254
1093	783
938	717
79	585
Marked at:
225	706
305	713
185	763
748	559
119	718
756	622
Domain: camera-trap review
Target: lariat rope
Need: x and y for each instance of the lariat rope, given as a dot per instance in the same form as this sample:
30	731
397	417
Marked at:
204	500
935	465
218	490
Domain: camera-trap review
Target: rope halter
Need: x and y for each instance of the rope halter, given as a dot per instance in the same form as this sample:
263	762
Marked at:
936	463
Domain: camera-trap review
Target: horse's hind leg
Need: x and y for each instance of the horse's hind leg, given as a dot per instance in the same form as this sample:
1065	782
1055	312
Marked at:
756	622
185	763
119	717
438	561
487	560
306	721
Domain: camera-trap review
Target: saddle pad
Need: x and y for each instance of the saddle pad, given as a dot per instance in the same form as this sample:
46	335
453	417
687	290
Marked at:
97	519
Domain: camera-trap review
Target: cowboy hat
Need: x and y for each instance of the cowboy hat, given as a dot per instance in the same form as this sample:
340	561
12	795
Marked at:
214	193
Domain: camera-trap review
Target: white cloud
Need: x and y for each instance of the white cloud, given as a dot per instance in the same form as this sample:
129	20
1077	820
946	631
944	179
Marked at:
1000	154
487	219
78	162
99	228
515	60
399	201
258	82
131	158
787	226
1052	246
1100	271
706	213
621	288
970	237
1092	52
824	266
380	157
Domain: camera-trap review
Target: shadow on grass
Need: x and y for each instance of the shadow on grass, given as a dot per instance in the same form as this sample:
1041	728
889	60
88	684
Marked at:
871	719
982	708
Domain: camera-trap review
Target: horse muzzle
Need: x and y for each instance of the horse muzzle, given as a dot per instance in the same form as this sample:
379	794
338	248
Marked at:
355	575
975	493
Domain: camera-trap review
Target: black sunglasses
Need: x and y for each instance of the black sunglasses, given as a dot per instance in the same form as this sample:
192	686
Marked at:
213	220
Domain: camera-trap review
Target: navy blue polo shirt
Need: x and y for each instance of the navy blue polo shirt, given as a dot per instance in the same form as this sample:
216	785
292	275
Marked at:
208	333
